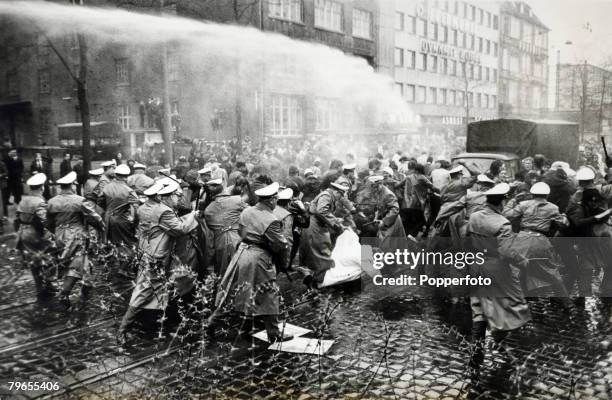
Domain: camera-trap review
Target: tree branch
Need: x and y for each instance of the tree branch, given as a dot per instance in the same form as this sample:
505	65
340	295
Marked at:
63	60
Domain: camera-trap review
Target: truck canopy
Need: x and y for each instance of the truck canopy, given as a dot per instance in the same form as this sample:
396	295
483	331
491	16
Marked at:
557	140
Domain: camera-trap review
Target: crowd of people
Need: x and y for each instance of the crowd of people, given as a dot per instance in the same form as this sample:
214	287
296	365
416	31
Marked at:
245	214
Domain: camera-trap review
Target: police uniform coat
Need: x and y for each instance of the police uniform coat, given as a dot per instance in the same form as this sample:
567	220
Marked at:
251	275
119	202
316	243
68	215
140	182
158	229
502	304
222	216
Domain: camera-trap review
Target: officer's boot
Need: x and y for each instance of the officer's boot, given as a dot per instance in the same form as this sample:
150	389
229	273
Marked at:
85	293
126	322
64	296
42	292
274	332
479	330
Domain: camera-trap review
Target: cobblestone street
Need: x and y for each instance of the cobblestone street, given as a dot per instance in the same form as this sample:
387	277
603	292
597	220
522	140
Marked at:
401	346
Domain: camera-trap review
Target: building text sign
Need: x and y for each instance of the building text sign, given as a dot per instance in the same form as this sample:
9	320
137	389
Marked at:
428	46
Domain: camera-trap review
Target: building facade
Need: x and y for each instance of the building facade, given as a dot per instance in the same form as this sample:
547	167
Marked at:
446	62
38	95
523	62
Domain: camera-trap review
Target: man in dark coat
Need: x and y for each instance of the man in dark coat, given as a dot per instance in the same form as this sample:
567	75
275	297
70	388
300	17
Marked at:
14	165
65	166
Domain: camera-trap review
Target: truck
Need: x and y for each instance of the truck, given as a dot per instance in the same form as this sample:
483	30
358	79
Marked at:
511	140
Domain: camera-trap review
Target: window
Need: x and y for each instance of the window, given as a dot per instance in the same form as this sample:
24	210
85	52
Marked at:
410	59
481	16
433	63
512	96
470	99
486	101
122	72
399	57
362	23
328	15
42	46
488	46
479	73
488	19
421	94
444	66
399	21
399	88
287	115
478	100
410	25
463	70
453	68
450	99
421	27
487	74
422	62
494	75
465	10
12	84
327	115
455	37
432	31
495	22
433	96
495	49
473	13
514	64
444	34
460	98
464	40
472	42
409	93
493	101
290	10
456	7
442	97
43	81
536	96
527	33
124	116
515	28
471	70
480	45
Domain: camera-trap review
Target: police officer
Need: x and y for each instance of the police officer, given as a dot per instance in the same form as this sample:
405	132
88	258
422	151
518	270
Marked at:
33	240
89	188
159	228
139	181
119	202
500	306
68	216
253	267
538	220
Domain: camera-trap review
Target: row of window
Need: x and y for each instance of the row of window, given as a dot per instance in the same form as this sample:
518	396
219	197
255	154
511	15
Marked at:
525	31
442	65
468	12
440	96
523	64
287	115
444	34
526	96
329	14
126	120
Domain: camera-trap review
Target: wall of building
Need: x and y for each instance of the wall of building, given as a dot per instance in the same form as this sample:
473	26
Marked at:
523	62
122	78
446	36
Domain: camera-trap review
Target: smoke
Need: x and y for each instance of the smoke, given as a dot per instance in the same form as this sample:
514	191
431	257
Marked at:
222	63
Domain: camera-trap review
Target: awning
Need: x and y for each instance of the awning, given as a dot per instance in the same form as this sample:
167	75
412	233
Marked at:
99	129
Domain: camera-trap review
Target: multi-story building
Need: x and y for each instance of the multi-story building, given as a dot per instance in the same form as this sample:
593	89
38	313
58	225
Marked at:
523	62
584	95
38	94
446	62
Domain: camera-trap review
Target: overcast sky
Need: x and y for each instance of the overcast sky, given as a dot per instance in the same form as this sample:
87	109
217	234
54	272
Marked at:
587	24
